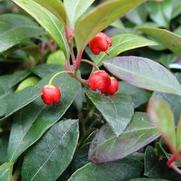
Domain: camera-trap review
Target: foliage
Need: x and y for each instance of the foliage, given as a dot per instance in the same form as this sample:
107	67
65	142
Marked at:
128	136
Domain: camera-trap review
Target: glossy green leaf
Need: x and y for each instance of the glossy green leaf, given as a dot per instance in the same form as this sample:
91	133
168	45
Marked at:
144	73
120	170
161	115
59	144
99	18
75	8
122	43
46	19
29	126
16	28
14	101
107	147
139	96
157	168
56	7
44	70
6	171
167	38
10	80
117	110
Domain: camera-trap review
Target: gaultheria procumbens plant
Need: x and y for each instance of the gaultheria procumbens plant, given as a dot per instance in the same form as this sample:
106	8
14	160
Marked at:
95	144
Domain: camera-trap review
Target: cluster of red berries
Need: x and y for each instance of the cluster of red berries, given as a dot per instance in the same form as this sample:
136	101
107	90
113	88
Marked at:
98	80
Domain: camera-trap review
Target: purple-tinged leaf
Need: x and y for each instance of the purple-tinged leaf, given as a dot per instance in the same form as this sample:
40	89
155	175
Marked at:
144	73
107	147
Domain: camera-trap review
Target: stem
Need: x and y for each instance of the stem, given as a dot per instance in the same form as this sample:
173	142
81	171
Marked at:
58	73
83	81
78	60
91	63
67	65
175	168
69	36
171	160
72	55
171	164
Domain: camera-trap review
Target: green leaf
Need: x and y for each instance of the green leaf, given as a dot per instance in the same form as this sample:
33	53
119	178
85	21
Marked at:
161	115
99	18
138	15
14	101
75	8
57	57
6	171
173	100
117	110
122	43
3	148
47	20
56	7
59	145
121	170
168	39
28	82
44	70
139	96
10	80
107	147
29	126
157	168
16	28
144	73
176	8
161	12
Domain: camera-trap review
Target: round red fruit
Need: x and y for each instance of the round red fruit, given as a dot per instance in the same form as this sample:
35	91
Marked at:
114	86
99	80
100	43
51	94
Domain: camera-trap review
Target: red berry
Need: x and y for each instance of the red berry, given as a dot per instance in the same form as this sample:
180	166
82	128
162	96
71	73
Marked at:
51	94
99	80
100	43
114	86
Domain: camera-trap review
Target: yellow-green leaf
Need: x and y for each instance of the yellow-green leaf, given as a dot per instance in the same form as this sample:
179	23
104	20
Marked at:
162	116
56	7
101	17
170	40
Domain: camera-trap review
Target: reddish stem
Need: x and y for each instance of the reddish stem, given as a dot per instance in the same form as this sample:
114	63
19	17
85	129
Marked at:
78	60
175	168
171	160
91	63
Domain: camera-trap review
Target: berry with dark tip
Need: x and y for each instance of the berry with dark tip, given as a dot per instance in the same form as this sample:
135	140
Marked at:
100	43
